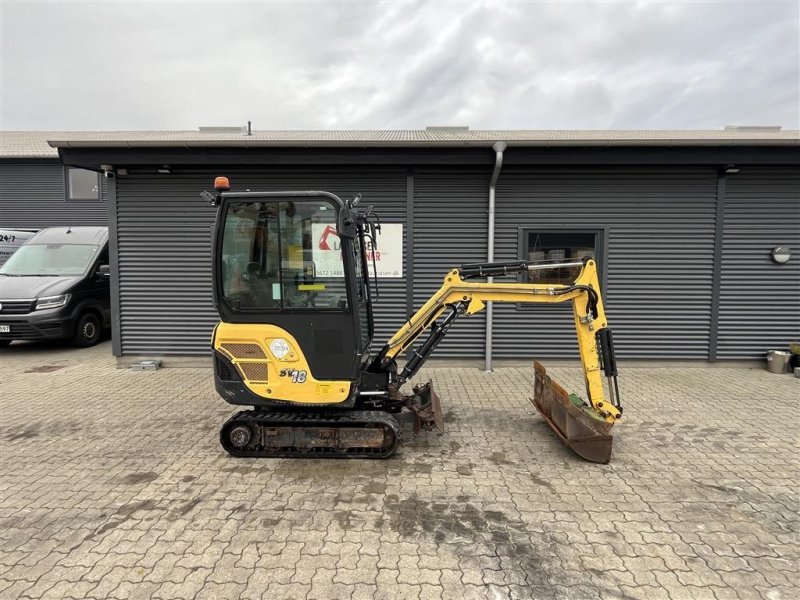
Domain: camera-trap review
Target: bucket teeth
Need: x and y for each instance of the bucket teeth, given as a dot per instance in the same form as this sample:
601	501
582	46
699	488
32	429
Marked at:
578	426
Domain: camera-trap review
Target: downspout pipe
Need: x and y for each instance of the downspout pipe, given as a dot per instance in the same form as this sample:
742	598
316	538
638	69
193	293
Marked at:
499	148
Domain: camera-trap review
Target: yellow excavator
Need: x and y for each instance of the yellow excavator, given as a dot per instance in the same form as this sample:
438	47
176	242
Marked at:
293	290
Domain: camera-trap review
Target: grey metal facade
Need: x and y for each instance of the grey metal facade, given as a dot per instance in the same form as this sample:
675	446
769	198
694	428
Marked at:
759	307
33	196
450	229
684	250
657	227
657	231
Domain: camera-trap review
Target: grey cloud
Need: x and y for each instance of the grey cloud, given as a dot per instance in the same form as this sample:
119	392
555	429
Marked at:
119	65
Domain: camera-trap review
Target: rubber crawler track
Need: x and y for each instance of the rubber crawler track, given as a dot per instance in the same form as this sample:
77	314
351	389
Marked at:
257	421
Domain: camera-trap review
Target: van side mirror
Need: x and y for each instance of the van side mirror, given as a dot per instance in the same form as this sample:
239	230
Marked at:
104	271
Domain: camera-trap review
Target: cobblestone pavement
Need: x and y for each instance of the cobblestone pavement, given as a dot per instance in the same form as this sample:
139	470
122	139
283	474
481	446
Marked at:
114	486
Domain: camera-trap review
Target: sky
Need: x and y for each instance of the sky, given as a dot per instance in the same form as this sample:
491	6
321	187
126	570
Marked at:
399	65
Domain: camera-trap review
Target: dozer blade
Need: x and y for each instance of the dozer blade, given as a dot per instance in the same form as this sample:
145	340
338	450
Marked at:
577	424
427	408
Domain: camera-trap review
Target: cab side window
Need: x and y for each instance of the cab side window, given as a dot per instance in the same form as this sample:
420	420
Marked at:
282	255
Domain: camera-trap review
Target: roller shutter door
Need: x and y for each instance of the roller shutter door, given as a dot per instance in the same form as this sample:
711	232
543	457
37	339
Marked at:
450	224
164	241
759	300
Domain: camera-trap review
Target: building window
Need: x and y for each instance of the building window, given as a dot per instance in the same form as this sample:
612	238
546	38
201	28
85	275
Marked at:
83	184
557	246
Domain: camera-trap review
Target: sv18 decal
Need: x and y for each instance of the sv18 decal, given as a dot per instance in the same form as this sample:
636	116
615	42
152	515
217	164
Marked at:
297	376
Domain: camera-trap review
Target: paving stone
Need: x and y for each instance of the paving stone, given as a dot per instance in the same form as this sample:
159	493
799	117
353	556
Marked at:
187	588
363	591
139	501
289	591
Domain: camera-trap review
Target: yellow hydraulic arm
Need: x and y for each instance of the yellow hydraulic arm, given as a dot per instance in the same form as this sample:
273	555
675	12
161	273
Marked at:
459	295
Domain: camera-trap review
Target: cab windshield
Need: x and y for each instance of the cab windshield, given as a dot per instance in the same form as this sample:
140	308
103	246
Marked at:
50	260
282	255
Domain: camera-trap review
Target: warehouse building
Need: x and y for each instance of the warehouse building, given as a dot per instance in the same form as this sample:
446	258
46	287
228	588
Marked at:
692	229
37	190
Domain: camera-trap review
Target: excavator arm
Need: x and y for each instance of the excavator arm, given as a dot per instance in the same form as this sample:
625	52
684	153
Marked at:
584	425
459	296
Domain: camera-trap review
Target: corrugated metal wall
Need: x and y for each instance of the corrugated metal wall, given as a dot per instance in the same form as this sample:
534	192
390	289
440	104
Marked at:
450	224
658	225
32	197
660	242
759	300
164	233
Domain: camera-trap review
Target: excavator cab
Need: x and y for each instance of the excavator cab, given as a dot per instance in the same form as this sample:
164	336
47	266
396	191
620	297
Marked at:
291	266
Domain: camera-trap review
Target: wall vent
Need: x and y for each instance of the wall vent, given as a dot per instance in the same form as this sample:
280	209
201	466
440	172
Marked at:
242	129
447	128
773	128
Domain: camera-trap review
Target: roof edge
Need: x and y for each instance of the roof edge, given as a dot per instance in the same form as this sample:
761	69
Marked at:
190	144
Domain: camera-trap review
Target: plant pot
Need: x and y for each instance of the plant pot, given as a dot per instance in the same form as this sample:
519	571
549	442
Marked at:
777	361
794	362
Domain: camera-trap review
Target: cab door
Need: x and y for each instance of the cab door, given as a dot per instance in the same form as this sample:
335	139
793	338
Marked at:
363	294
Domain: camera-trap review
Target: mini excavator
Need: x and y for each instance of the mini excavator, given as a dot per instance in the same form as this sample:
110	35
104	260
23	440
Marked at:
292	287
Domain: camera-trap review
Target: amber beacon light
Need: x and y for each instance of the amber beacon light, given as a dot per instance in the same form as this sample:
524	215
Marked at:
221	184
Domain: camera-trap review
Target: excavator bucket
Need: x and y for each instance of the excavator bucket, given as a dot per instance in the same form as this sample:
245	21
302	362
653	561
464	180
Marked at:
577	424
427	408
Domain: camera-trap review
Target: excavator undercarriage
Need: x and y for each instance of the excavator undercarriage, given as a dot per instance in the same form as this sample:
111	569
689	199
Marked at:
292	286
342	434
335	434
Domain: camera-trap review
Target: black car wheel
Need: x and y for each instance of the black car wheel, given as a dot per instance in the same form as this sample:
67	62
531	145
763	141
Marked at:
88	331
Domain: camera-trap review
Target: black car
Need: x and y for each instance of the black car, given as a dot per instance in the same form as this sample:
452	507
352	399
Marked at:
56	286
